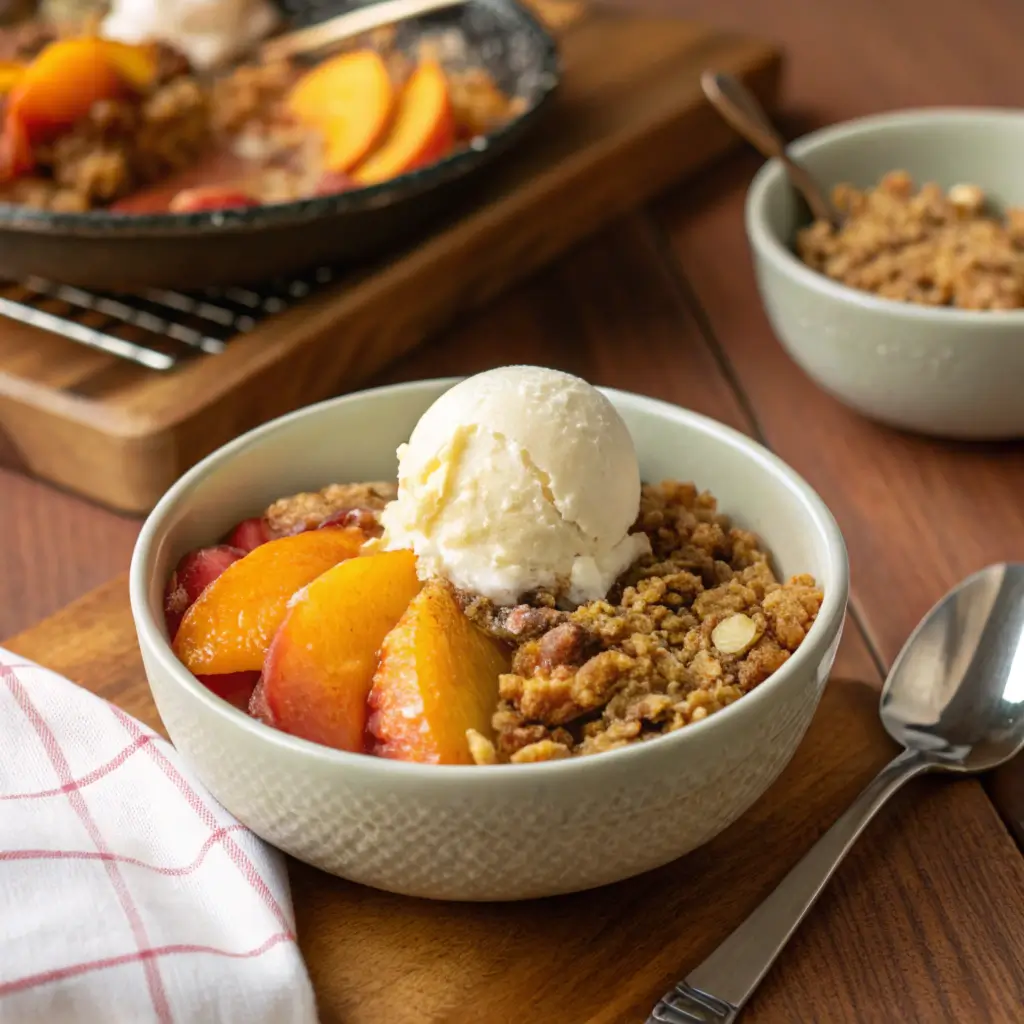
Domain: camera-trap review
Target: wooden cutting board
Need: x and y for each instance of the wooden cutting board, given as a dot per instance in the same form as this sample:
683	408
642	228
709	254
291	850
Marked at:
630	119
937	873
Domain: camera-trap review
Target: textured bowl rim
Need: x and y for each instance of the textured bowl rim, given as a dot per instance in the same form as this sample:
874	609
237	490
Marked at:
15	217
771	175
811	651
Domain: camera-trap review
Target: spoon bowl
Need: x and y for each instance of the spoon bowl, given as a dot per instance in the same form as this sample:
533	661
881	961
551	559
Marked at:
956	692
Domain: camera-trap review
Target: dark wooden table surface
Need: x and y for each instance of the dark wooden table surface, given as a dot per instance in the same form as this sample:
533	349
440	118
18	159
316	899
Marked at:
664	303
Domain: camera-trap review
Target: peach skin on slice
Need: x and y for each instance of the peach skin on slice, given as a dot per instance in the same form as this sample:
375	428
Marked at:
320	666
60	86
230	626
423	129
138	64
16	155
438	677
10	74
349	99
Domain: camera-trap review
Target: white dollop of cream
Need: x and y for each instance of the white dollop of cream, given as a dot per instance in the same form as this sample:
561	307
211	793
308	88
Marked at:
208	32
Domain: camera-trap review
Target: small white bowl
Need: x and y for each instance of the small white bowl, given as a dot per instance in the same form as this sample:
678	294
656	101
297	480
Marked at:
946	372
509	831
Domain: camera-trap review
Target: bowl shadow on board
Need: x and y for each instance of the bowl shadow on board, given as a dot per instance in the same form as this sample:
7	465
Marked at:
637	923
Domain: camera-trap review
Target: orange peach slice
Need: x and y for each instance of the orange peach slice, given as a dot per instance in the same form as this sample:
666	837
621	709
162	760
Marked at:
423	129
349	99
438	677
230	626
10	74
16	156
60	86
236	688
320	666
136	63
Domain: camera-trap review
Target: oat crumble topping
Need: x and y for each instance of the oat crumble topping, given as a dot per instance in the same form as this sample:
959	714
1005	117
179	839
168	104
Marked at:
930	247
311	508
690	628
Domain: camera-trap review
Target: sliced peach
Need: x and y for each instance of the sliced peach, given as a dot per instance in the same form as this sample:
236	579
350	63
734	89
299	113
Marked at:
16	156
258	705
250	534
423	129
60	86
320	666
230	626
438	677
193	574
349	99
136	63
10	74
236	688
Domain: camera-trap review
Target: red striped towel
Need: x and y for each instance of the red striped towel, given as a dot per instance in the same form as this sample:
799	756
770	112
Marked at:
126	892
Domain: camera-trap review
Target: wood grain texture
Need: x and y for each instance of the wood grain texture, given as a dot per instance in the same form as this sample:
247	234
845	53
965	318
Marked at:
603	957
918	514
53	547
629	120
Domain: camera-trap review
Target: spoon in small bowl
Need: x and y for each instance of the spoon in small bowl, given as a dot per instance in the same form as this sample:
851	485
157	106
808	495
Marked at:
740	107
954	700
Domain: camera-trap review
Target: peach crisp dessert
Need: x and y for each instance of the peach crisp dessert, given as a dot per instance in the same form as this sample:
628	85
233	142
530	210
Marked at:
91	122
518	596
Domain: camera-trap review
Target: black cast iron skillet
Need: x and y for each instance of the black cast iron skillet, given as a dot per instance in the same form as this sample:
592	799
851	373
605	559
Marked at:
125	252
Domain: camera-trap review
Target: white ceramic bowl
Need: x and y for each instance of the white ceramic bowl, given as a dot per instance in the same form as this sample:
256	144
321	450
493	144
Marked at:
946	372
508	831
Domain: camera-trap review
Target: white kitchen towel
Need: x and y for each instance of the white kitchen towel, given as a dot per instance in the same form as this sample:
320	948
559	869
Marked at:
126	892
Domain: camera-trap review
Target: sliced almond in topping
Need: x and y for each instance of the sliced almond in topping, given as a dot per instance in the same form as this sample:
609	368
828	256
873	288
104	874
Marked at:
966	198
735	634
481	749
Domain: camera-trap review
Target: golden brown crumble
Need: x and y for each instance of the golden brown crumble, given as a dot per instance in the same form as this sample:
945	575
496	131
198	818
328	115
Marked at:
929	247
689	629
479	105
303	511
248	92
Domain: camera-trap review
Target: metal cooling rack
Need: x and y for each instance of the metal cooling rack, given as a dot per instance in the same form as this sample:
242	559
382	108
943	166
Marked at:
160	329
157	329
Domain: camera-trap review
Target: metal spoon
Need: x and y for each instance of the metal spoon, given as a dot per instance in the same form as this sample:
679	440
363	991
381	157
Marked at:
739	106
955	701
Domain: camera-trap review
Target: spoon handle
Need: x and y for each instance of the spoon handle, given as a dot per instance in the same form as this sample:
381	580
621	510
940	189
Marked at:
741	109
718	988
351	23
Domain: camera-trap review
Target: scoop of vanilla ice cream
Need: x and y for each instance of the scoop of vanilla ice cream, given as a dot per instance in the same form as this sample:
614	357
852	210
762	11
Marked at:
519	478
208	32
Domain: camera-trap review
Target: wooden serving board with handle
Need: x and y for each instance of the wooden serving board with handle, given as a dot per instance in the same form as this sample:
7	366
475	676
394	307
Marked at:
629	120
937	870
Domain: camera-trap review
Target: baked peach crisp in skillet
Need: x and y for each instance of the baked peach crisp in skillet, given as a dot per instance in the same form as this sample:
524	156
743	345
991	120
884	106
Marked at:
485	610
89	122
